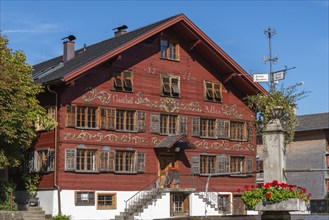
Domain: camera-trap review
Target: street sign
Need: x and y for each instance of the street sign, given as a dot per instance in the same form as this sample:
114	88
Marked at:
260	77
278	75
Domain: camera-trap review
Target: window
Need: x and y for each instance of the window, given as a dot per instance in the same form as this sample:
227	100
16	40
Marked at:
106	160
207	164
84	198
169	50
178	202
170	86
106	201
123	80
224	203
105	118
168	124
208	128
41	160
86	160
124	161
238	131
86	117
236	164
212	91
125	120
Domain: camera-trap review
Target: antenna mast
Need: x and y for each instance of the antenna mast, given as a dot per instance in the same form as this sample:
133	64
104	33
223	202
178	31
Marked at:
273	60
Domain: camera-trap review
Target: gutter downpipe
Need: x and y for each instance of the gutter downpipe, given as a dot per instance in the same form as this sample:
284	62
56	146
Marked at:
55	161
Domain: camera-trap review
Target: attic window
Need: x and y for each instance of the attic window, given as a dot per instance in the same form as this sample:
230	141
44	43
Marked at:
169	50
212	91
122	80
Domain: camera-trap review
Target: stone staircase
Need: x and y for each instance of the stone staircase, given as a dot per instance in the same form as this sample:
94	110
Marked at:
139	203
34	213
211	199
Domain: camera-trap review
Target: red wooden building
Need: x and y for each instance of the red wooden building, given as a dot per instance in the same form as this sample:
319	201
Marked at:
151	124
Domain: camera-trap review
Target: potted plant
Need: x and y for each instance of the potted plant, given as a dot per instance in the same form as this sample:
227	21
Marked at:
31	185
269	196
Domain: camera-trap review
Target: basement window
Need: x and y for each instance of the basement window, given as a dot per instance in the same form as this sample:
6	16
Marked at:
84	198
106	201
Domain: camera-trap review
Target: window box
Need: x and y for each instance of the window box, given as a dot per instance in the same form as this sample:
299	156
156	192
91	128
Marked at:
287	205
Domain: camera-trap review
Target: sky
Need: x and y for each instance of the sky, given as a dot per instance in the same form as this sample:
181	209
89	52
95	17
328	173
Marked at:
301	39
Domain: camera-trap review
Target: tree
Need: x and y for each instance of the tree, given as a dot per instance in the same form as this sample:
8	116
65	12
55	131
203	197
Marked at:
277	104
19	107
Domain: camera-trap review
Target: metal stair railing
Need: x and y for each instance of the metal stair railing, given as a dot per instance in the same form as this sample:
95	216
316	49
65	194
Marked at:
143	196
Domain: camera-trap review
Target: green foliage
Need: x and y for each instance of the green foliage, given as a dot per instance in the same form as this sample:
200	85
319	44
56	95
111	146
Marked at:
31	183
19	109
61	217
6	190
272	192
277	104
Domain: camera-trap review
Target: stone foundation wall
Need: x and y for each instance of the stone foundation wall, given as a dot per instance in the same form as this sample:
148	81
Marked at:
9	215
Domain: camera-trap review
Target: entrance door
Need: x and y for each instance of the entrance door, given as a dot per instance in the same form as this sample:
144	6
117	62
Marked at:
167	164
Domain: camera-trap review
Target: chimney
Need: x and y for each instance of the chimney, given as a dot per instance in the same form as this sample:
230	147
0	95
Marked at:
120	30
69	50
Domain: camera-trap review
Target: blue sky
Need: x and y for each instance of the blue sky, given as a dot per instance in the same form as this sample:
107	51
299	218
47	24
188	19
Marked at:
301	39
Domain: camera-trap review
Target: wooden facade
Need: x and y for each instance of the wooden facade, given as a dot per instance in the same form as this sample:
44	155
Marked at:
166	105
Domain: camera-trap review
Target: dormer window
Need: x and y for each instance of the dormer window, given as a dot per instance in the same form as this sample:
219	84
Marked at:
212	91
169	50
170	86
122	80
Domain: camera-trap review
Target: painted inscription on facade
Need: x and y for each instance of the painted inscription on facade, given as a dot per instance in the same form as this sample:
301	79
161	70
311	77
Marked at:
164	104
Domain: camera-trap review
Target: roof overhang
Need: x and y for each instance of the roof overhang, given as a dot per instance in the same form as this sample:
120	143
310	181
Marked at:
177	141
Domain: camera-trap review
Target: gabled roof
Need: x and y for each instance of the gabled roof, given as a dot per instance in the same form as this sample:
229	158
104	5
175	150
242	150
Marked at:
312	122
55	70
170	141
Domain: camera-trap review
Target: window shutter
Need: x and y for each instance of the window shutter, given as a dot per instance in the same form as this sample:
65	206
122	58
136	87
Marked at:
250	131
228	164
70	116
35	161
244	131
223	128
195	164
69	159
104	161
249	166
51	160
111	113
140	162
182	124
196	127
98	117
155	124
221	164
29	161
111	160
141	121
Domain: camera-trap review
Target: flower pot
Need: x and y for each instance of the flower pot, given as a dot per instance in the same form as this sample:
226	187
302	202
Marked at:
287	205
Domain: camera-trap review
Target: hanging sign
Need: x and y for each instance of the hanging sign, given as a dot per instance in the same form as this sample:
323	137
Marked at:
260	77
278	75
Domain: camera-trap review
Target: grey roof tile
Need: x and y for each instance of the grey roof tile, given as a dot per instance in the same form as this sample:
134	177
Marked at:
312	122
83	57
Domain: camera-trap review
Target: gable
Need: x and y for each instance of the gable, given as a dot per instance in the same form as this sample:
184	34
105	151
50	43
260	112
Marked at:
196	42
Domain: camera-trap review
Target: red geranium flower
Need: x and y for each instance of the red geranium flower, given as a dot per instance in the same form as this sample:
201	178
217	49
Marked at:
238	190
275	182
268	195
